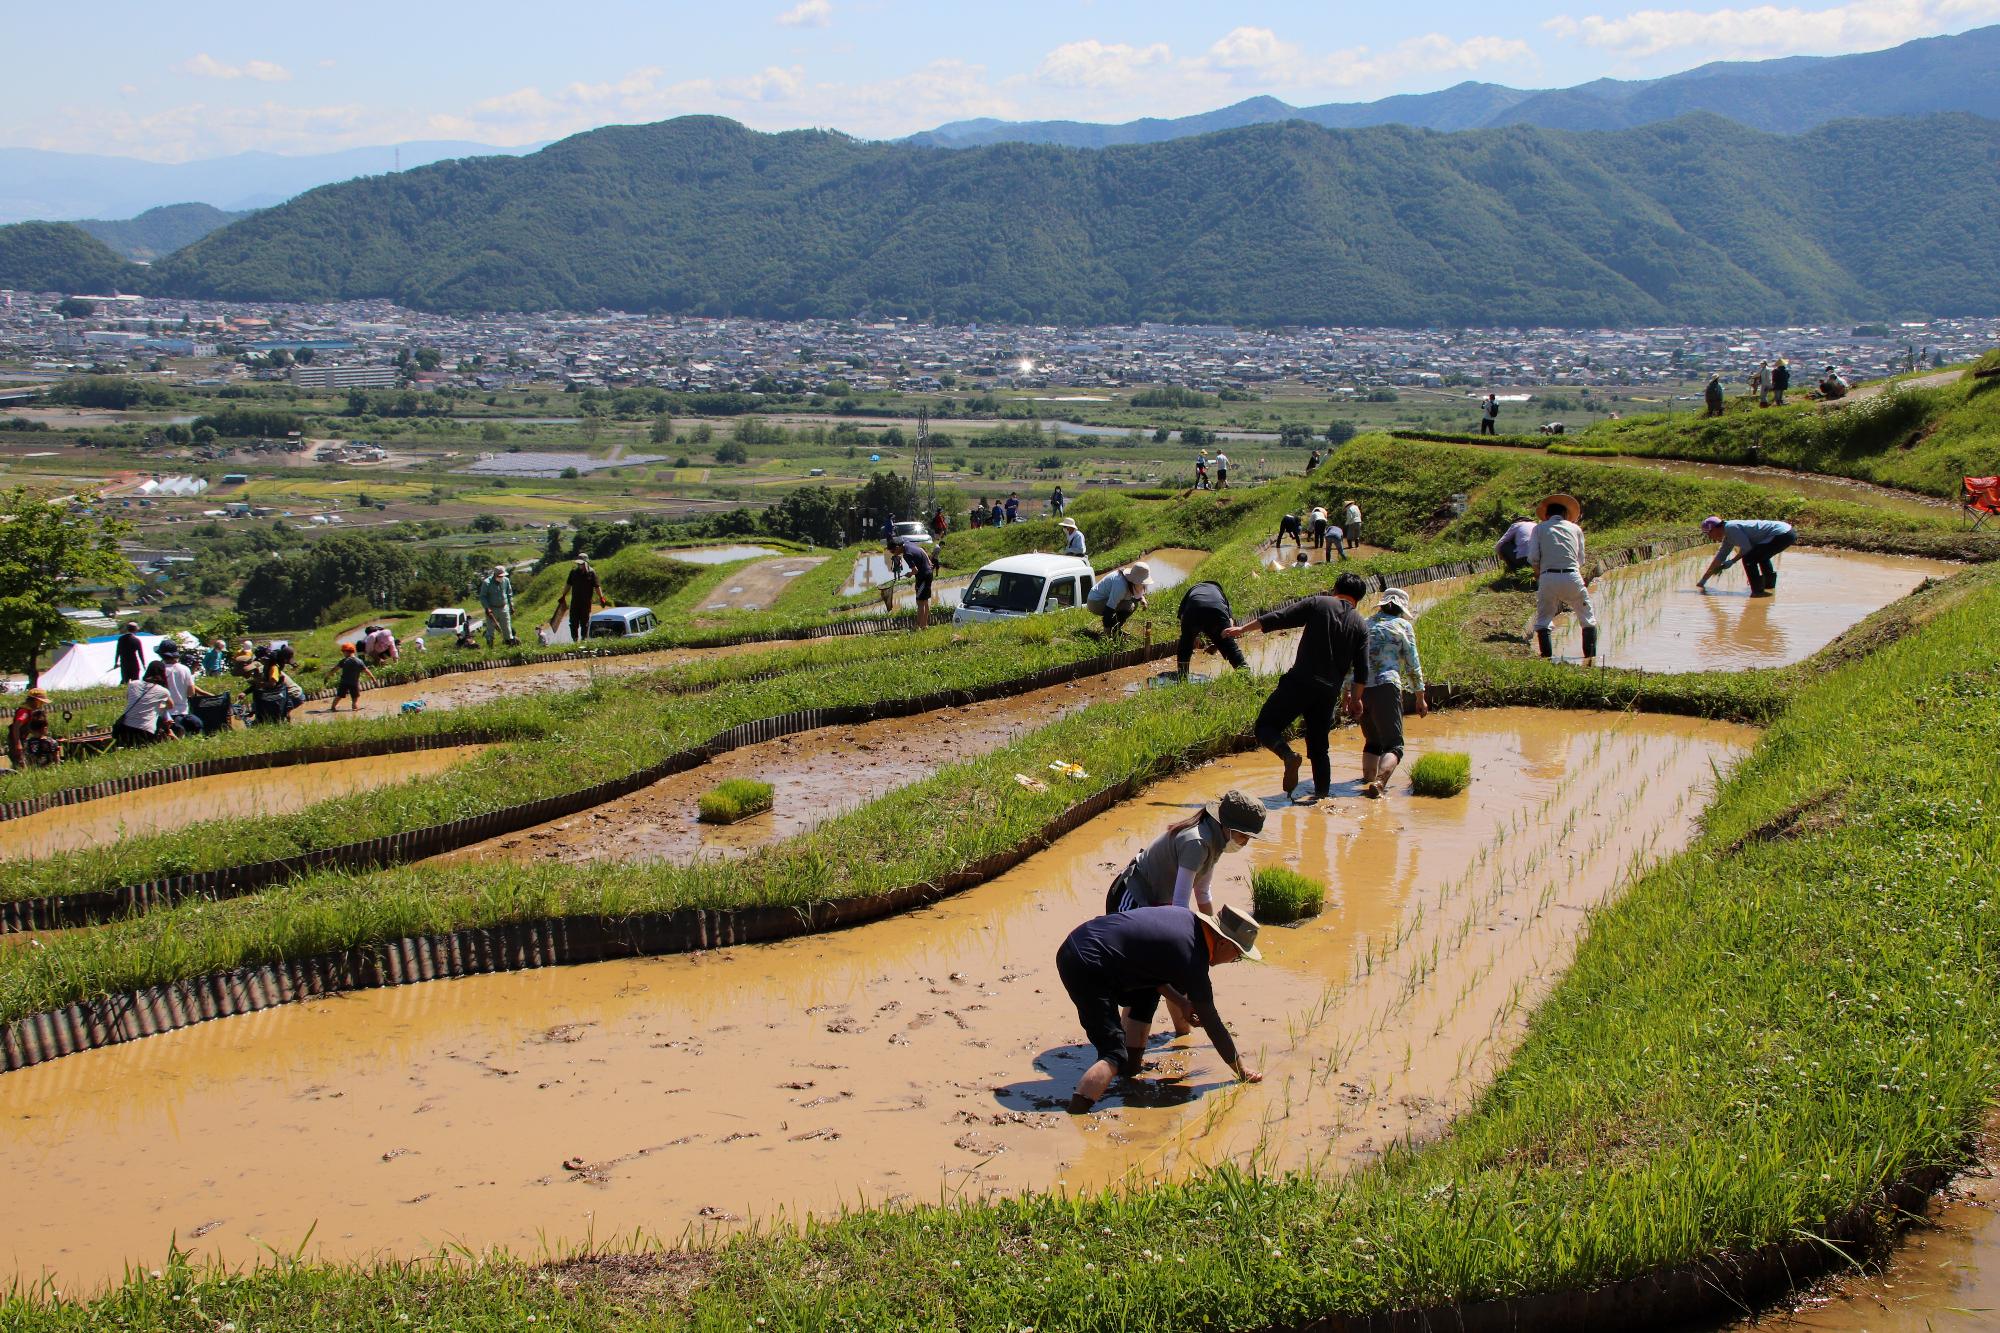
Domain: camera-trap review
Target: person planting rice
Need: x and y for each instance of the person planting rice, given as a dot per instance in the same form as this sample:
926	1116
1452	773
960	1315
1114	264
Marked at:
1320	524
1755	543
351	669
1516	545
1289	526
922	567
1176	868
1205	613
1393	666
1556	552
1350	523
1333	648
1114	967
1118	594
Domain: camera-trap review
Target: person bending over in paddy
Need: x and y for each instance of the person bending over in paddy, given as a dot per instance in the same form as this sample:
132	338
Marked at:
1392	667
1289	526
1114	967
1756	542
1118	594
923	568
1556	551
1333	648
1205	614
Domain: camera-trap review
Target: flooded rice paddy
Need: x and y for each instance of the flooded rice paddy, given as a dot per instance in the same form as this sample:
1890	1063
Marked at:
1652	618
715	555
914	1059
174	805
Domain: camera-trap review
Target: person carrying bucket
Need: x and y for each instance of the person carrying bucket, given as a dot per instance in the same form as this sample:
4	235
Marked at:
1556	551
1333	649
1115	966
1756	542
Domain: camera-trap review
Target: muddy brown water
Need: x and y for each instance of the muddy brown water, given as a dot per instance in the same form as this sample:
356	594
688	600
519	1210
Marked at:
917	1058
1944	1277
755	587
1652	618
269	791
814	775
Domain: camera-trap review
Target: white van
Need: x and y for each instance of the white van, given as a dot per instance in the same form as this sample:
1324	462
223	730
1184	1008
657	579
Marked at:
1022	585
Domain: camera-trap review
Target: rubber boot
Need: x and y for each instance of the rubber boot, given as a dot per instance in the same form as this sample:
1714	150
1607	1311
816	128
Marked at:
1590	642
1542	641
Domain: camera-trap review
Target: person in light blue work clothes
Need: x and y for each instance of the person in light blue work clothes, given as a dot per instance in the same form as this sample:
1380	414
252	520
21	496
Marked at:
1393	667
1755	542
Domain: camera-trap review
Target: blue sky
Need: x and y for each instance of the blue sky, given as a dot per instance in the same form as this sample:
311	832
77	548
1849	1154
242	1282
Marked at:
198	79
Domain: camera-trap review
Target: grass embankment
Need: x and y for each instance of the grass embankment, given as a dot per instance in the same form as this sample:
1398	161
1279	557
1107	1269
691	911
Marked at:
1761	1035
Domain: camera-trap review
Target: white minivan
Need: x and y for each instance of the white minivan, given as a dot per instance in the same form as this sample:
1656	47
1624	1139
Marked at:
1022	585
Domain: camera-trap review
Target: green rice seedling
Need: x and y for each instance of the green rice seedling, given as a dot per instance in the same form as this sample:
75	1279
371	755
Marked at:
735	800
1280	895
1442	774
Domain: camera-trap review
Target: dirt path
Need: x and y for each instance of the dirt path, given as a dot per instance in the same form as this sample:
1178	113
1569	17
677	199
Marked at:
755	587
913	1057
1934	380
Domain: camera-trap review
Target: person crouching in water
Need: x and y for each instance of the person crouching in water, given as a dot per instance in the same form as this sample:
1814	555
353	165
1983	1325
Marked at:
1118	594
1114	966
1205	614
1393	666
1756	542
1556	551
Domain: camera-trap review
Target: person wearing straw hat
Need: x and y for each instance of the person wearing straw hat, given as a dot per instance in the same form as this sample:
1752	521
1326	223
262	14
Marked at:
37	701
1756	542
1115	966
1556	551
496	598
1393	667
1118	594
1333	649
1073	543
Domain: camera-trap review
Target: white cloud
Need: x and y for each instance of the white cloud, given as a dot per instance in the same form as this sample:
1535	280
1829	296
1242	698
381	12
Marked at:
1771	30
1258	58
206	66
1095	64
807	14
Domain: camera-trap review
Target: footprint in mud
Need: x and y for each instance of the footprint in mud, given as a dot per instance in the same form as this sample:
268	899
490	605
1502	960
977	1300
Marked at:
797	1085
843	1025
827	1134
978	1144
565	1033
922	1020
714	1214
739	1134
394	1153
206	1227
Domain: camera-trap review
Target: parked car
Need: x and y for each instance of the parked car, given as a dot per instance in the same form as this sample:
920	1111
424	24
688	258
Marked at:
449	623
1023	585
913	532
622	622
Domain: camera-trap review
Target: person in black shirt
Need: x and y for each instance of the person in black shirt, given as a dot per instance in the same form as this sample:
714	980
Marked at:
1205	613
131	654
1121	960
579	590
1332	648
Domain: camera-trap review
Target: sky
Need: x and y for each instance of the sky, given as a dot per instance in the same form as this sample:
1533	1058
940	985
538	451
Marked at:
197	79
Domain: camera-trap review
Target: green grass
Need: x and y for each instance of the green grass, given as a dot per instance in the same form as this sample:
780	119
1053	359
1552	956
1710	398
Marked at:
734	800
1762	1033
1445	773
1279	896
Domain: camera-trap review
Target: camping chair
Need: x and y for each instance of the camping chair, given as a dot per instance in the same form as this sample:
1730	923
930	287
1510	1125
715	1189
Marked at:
1982	498
93	742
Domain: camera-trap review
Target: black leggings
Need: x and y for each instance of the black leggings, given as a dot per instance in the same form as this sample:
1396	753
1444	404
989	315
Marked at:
1291	701
1198	624
1757	566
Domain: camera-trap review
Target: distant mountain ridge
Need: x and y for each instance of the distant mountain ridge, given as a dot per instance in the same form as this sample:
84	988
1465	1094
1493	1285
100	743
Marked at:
1697	220
35	184
1786	96
159	231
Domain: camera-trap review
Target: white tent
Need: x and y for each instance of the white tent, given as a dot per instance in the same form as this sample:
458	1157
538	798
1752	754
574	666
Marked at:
92	665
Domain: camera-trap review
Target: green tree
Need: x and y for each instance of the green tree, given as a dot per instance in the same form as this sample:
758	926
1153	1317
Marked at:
1340	432
47	557
663	429
74	307
493	433
731	451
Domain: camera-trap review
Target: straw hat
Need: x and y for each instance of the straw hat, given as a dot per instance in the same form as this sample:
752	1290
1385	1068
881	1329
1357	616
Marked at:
1140	575
38	695
1069	523
1562	498
1238	927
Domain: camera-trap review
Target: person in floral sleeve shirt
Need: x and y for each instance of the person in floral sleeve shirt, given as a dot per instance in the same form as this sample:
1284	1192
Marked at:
1393	667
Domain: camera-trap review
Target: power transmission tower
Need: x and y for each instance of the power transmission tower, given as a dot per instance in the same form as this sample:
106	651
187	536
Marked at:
923	482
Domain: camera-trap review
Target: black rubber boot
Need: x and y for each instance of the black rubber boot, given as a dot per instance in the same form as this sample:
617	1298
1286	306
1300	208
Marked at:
1590	641
1543	642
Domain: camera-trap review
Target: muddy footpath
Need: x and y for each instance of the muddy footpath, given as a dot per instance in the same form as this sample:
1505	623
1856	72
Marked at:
919	1058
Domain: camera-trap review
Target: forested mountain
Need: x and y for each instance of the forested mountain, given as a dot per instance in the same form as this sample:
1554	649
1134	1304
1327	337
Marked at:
1698	220
159	231
1789	96
60	257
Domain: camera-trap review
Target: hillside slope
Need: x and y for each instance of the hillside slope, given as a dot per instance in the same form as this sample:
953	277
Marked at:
159	231
61	257
1695	221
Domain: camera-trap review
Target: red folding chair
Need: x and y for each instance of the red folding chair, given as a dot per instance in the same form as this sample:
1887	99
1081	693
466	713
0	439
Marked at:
1982	498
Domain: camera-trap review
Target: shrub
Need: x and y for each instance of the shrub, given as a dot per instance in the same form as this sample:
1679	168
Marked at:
736	799
1444	774
1280	895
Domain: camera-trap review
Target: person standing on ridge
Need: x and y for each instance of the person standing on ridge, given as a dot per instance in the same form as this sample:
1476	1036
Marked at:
1201	470
579	590
496	598
1013	507
1712	395
1114	967
1333	650
1312	463
1205	614
1057	502
1073	543
131	654
1781	380
1489	415
1556	551
1221	471
1756	542
1760	383
1393	667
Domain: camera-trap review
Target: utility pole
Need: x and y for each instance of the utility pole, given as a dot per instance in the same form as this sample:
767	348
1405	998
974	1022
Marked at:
923	481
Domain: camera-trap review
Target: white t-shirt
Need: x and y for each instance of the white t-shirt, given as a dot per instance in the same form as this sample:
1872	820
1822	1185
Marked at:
1318	514
1351	515
180	685
142	705
1220	460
